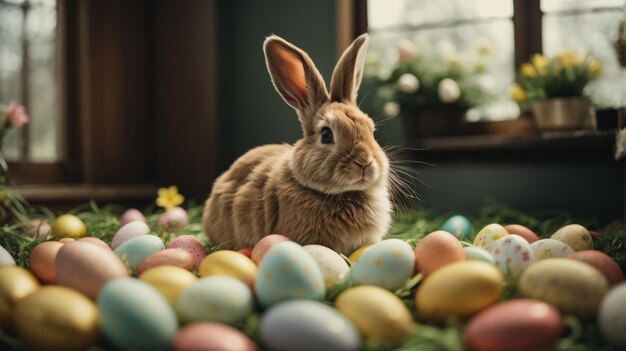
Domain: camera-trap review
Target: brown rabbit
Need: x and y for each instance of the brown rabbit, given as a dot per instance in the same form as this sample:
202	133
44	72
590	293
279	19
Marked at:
330	187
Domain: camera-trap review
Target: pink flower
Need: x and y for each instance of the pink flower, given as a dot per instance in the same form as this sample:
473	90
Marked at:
407	52
15	115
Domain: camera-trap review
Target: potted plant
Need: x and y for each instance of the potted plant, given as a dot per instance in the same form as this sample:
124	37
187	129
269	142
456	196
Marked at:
553	88
431	90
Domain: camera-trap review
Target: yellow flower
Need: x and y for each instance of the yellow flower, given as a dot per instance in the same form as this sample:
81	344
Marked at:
528	70
596	68
169	197
568	59
540	63
517	93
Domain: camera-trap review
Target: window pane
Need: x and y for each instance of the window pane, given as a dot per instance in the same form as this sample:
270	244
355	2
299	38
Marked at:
394	13
593	32
548	6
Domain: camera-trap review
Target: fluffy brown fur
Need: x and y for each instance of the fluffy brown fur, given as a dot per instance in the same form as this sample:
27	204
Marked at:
332	194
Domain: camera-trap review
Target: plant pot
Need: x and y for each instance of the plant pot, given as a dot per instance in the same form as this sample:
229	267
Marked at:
561	114
433	122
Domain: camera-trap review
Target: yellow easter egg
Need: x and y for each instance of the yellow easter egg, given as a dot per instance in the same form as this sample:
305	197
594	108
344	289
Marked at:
358	252
57	318
488	236
170	281
376	312
230	263
575	236
68	226
459	289
15	284
571	286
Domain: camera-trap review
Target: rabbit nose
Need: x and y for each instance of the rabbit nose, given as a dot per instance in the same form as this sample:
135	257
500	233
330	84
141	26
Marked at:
363	164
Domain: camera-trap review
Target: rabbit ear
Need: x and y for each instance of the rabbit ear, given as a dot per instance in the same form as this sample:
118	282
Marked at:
349	71
294	75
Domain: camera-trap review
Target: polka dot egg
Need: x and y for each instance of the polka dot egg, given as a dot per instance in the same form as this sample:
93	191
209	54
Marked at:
191	245
513	255
488	236
334	269
288	272
550	248
388	264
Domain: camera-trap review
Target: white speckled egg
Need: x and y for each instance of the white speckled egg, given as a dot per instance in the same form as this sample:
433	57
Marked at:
5	258
477	253
307	325
129	231
388	264
334	268
215	299
130	215
137	249
488	236
550	248
287	272
575	236
612	316
513	255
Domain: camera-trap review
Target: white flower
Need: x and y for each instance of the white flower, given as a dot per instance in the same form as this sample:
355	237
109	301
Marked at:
391	109
406	50
408	83
449	90
447	51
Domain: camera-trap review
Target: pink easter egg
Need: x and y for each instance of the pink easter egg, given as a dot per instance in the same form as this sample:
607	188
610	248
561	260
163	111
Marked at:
265	244
174	219
436	250
168	257
131	215
246	251
211	336
129	231
96	242
66	240
602	262
191	245
38	229
522	231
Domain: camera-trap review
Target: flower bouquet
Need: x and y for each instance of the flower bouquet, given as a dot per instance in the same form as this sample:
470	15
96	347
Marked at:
553	87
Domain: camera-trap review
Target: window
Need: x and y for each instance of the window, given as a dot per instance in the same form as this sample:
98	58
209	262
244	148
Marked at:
28	76
514	29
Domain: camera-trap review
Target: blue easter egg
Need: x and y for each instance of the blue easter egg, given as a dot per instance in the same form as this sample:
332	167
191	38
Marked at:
137	249
388	264
288	272
477	253
459	226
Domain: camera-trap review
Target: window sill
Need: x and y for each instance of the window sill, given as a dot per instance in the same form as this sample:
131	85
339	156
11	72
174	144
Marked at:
80	193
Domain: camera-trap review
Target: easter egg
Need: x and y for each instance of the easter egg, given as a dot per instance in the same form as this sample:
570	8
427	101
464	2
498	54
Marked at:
603	263
265	244
387	264
459	226
38	229
190	244
575	236
57	318
247	251
229	263
211	337
358	252
137	249
215	299
5	258
477	253
133	315
131	215
513	255
15	284
488	236
96	241
66	240
571	286
522	231
376	313
307	325
42	261
288	272
459	289
68	226
515	325
129	231
170	281
174	219
334	268
86	268
612	316
168	257
550	248
436	250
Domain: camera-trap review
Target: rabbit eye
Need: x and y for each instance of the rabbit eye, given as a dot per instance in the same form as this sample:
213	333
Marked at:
326	136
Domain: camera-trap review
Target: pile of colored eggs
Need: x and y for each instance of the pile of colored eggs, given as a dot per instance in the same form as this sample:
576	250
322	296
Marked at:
83	292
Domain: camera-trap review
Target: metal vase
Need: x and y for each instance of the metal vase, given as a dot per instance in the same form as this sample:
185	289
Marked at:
562	114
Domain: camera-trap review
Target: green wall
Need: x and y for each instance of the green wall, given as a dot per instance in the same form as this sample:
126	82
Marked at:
251	113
